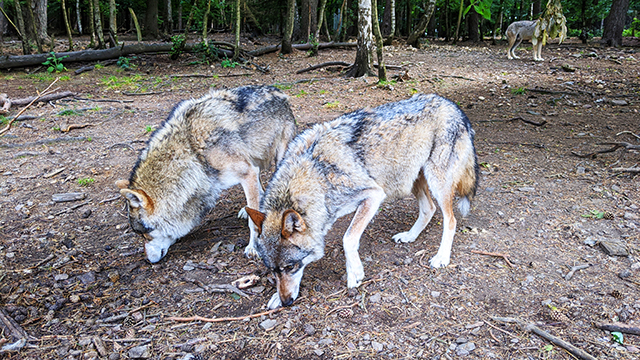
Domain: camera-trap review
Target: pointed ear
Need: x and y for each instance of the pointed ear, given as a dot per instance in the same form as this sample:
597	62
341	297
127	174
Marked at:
292	222
256	216
122	184
138	198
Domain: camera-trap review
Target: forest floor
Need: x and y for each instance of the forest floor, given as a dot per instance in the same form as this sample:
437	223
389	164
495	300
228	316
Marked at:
74	277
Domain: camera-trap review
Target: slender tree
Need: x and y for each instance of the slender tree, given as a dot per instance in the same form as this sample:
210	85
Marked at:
41	20
26	41
32	27
455	38
79	17
614	23
66	23
113	27
472	25
414	37
92	28
205	21
288	27
382	69
97	18
3	21
168	23
151	19
389	21
236	50
321	18
364	60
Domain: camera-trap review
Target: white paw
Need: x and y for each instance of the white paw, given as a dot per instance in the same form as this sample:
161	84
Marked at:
242	214
539	59
516	57
251	253
439	261
274	302
404	237
355	275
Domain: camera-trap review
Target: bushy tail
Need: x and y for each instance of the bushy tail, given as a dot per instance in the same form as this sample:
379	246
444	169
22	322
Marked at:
464	205
467	186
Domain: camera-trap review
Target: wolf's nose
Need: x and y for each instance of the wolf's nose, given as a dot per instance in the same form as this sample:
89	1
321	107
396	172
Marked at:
288	302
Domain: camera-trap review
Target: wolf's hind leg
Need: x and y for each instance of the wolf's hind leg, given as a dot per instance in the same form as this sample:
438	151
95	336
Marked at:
515	46
427	209
351	240
443	257
253	192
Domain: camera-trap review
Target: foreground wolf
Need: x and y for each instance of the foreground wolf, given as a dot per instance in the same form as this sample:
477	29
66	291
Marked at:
422	145
205	146
523	30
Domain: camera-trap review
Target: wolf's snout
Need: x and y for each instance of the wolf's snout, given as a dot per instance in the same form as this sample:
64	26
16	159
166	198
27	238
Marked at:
157	249
287	302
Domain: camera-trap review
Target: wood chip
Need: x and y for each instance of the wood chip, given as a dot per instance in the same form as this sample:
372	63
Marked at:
58	198
614	248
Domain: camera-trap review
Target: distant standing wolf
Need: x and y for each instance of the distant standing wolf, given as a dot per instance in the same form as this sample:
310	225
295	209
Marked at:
523	30
205	146
422	145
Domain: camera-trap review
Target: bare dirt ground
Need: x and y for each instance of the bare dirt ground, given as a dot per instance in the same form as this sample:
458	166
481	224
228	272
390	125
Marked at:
74	277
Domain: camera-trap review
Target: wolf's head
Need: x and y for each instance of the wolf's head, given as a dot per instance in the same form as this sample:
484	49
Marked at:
157	219
285	246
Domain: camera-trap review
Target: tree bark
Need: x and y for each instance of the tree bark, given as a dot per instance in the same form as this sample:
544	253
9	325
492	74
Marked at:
414	38
168	22
113	25
41	21
288	27
309	18
455	39
389	22
382	69
3	22
364	60
26	42
472	25
97	16
321	18
537	8
32	27
66	24
79	17
190	18
236	52
92	28
151	19
614	23
205	21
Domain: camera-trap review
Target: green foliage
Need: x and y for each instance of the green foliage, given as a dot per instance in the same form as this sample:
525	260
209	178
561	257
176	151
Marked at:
123	63
633	29
86	181
594	214
282	86
178	41
518	91
552	24
3	120
482	7
332	104
113	82
617	337
68	112
226	63
148	129
54	63
207	52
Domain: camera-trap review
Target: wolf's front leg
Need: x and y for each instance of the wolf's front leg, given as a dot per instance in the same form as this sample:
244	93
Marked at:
275	301
351	240
252	191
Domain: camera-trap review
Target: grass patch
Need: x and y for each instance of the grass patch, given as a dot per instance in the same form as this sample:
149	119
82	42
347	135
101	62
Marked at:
518	91
86	181
113	82
332	104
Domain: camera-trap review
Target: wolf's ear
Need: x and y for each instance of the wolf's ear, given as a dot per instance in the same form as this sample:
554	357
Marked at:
138	198
256	216
292	222
122	184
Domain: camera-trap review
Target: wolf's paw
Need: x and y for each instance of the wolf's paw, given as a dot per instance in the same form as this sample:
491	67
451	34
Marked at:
355	277
404	237
251	253
274	302
439	261
516	57
538	59
242	214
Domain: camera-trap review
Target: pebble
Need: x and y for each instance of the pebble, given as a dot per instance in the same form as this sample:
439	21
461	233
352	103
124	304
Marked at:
114	356
619	102
378	347
435	294
87	278
375	298
309	329
61	277
188	267
630	216
139	352
318	352
268	324
465	349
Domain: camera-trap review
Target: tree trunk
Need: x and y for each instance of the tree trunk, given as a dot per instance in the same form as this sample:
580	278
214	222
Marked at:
321	18
41	21
92	28
26	42
447	26
79	17
151	19
537	8
136	24
205	20
389	21
382	69
180	16
455	39
3	22
66	24
614	23
97	16
583	21
472	25
32	28
288	27
113	27
341	23
364	62
309	18
190	18
168	22
414	38
236	51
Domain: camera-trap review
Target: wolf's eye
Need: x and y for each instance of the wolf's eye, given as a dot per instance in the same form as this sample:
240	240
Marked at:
288	268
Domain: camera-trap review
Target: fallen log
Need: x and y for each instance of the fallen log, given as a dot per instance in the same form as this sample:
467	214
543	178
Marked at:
620	327
307	46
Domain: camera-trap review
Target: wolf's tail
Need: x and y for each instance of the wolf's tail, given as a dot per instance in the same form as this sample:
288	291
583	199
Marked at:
467	184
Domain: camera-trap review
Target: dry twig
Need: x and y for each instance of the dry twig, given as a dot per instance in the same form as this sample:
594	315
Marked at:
504	256
545	335
573	269
240	318
619	327
616	146
44	93
514	119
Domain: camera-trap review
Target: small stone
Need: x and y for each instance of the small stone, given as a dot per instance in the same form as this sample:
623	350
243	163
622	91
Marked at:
61	277
87	278
139	352
462	340
581	170
309	329
481	98
188	267
465	349
526	189
591	241
632	349
378	347
74	298
435	294
630	216
375	298
353	292
114	276
614	248
318	352
619	102
268	324
85	214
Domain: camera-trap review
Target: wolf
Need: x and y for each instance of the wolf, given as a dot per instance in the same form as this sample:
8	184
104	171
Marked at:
205	146
523	30
422	145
